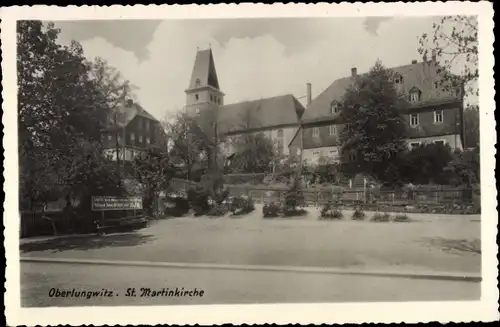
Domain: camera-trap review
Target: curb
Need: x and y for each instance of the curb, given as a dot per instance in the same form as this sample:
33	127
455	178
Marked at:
463	277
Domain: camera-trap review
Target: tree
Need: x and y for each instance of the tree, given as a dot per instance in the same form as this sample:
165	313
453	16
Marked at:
254	153
62	110
465	168
188	143
154	171
471	126
372	139
455	44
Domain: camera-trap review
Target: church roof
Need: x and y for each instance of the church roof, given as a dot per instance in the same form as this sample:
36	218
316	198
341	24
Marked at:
422	76
259	114
204	73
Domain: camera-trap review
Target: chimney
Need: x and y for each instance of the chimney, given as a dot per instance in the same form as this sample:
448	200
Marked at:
433	56
309	93
354	72
413	62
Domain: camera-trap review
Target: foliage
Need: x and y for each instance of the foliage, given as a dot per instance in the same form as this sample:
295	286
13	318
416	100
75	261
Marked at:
176	205
374	139
153	170
401	218
471	127
294	197
218	210
254	153
331	210
198	199
454	40
241	205
358	214
62	108
464	169
189	145
379	217
425	164
271	210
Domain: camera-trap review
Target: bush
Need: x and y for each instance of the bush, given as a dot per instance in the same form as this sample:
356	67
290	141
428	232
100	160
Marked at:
358	214
241	205
288	212
378	217
331	211
198	199
401	218
176	205
271	210
217	211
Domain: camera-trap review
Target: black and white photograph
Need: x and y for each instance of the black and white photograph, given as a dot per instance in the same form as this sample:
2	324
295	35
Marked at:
174	162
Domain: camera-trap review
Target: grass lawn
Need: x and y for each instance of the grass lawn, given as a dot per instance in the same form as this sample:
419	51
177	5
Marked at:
429	242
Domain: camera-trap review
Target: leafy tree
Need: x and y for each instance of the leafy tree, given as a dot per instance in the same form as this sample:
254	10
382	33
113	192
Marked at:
455	44
189	145
153	170
373	138
62	109
471	122
254	153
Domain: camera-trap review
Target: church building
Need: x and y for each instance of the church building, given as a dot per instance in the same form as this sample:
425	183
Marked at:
277	117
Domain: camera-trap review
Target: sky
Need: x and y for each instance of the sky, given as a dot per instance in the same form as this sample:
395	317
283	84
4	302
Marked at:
254	58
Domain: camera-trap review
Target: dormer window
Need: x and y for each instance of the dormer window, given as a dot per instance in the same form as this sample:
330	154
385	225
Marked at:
415	95
398	79
198	82
334	107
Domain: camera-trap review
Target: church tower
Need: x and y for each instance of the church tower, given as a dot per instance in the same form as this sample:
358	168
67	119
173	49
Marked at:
203	93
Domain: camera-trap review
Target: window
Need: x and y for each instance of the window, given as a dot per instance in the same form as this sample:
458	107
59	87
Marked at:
398	79
315	132
218	100
334	108
140	138
148	140
198	82
146	122
109	137
197	111
316	153
197	97
280	133
415	96
413	120
211	98
132	137
442	142
332	129
438	117
414	145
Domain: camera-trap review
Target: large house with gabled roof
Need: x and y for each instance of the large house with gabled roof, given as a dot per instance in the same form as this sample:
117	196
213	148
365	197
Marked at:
277	117
131	130
435	115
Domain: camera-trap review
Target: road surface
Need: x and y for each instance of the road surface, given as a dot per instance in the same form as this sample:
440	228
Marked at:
221	286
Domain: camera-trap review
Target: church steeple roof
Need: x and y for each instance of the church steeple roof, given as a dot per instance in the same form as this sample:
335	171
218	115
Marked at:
204	73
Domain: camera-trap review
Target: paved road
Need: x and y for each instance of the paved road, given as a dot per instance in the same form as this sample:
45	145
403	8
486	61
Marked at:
225	287
430	243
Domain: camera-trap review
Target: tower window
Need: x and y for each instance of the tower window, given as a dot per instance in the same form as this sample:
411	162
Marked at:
280	133
197	97
198	82
197	111
211	98
132	137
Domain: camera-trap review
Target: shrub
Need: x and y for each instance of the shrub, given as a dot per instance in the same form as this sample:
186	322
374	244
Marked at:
331	211
358	214
379	217
176	205
401	218
217	211
241	205
198	197
287	212
271	210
